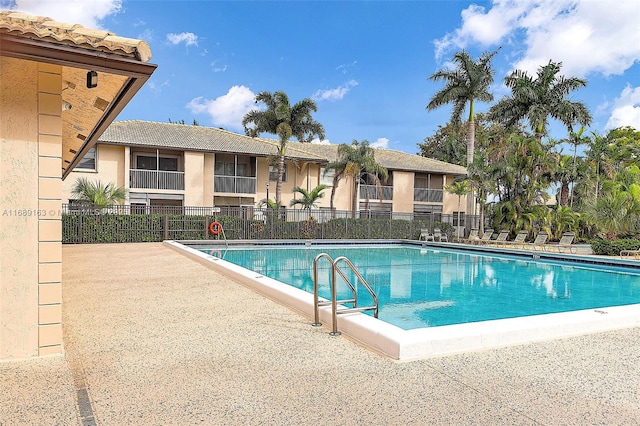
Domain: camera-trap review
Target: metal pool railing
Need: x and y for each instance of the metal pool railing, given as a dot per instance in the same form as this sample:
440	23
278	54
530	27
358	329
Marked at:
335	269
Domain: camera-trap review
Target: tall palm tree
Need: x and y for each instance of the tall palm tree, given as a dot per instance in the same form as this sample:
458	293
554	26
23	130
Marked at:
98	195
536	99
468	82
285	121
459	188
358	162
309	198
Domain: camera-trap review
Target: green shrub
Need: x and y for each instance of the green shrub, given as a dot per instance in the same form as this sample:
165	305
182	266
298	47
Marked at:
613	248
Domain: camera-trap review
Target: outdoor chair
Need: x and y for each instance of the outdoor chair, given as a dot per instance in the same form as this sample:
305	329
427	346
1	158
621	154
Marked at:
439	235
425	235
473	236
538	243
635	254
485	237
566	242
519	240
500	239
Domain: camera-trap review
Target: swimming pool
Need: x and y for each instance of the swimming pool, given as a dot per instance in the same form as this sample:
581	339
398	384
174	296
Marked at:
428	287
436	300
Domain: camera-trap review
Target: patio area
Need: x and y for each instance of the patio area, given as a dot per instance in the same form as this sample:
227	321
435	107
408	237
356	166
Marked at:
152	337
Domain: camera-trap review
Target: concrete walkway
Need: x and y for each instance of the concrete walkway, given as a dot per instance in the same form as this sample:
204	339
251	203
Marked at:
153	338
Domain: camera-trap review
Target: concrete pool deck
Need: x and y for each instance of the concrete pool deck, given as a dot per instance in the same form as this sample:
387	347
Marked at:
152	337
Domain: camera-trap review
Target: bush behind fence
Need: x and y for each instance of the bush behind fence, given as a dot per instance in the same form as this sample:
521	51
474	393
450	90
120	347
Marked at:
82	227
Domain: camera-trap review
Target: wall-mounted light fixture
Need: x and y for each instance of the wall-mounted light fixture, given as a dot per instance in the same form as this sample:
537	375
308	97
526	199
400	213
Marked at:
92	79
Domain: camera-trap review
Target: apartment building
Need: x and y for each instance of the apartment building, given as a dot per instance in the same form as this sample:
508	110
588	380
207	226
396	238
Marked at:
167	164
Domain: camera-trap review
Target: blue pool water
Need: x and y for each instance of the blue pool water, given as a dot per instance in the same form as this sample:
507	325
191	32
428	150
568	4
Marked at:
422	287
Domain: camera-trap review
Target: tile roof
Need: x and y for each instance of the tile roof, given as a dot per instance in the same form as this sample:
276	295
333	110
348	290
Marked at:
391	159
43	28
209	139
195	138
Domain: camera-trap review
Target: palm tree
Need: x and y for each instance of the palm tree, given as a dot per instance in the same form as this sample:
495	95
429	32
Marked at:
537	99
96	194
576	139
357	161
459	188
468	82
285	121
309	198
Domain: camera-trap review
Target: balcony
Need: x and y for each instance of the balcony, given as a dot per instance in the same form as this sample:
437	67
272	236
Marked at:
370	192
428	195
156	179
234	184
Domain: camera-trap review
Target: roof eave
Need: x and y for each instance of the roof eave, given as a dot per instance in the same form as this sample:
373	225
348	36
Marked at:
45	51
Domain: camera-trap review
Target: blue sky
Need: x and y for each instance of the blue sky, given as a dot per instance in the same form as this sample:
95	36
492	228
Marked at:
365	63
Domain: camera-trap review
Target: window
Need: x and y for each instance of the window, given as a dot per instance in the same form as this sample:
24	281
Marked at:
224	169
326	176
88	162
455	219
227	169
273	173
144	162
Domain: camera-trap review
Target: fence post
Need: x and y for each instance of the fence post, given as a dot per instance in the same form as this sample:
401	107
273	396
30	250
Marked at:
166	226
206	227
80	227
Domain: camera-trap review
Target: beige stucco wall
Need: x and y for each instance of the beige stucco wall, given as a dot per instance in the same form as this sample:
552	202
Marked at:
450	201
110	168
194	179
30	203
403	191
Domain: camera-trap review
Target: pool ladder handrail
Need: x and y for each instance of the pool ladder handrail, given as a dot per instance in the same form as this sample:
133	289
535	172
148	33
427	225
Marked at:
334	298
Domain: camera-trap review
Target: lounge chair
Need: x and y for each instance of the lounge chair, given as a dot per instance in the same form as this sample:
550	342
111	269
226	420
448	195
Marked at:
635	254
566	242
538	243
425	235
439	235
485	237
518	241
500	239
473	236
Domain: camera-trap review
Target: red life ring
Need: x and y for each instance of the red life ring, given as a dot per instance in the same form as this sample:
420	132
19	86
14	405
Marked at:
215	228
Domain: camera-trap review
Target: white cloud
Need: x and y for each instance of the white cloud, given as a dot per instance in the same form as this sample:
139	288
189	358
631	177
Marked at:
156	87
626	109
380	143
85	12
189	39
586	36
317	141
226	110
335	94
345	67
218	68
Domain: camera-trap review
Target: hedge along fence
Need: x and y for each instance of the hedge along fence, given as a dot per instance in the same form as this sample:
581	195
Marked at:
128	228
613	248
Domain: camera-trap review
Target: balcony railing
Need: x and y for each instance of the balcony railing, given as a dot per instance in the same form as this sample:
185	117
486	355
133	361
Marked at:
156	179
428	195
234	184
370	192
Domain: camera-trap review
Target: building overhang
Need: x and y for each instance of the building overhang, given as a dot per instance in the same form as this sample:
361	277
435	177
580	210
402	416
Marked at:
89	110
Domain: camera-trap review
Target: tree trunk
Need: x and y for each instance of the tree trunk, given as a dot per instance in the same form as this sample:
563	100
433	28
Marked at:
354	200
471	140
564	194
279	180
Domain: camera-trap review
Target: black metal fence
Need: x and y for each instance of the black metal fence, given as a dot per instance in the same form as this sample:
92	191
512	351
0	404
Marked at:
120	224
